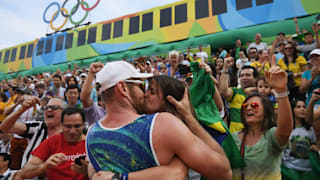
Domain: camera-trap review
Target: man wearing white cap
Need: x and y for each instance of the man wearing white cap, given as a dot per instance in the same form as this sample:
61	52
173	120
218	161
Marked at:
126	142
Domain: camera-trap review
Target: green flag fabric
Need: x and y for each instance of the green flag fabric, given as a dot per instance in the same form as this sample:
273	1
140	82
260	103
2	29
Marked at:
202	91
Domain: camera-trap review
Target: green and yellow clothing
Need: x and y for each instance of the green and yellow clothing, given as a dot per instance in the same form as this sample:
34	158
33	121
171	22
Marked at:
258	65
263	159
236	100
295	68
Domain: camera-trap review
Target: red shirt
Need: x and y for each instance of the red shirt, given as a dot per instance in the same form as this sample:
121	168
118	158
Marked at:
58	144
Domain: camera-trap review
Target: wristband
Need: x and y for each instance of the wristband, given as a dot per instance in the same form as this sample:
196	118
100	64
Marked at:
226	72
124	176
280	95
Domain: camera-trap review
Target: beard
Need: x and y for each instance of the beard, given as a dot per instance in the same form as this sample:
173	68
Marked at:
137	102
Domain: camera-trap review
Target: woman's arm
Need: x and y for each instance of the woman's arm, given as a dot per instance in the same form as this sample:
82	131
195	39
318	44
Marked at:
277	79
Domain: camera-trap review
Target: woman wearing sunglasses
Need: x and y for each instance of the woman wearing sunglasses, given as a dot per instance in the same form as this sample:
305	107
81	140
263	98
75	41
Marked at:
264	135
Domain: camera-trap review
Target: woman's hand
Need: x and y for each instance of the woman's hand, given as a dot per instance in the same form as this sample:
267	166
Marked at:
183	106
276	77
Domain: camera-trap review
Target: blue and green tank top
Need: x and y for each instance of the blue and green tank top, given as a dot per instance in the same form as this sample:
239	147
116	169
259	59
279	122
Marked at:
125	149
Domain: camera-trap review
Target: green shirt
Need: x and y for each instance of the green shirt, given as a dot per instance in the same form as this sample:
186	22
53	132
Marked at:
263	159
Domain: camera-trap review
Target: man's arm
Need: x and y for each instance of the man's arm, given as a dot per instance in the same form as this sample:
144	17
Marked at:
87	86
305	83
9	124
36	167
224	90
172	136
309	115
176	170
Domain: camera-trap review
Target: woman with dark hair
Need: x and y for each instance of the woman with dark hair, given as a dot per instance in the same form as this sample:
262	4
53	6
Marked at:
296	65
166	94
295	160
218	65
72	80
261	142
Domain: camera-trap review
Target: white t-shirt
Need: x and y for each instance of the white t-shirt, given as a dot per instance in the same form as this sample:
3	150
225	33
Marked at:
202	55
296	156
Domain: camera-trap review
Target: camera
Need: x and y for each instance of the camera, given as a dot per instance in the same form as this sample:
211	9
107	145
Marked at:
77	160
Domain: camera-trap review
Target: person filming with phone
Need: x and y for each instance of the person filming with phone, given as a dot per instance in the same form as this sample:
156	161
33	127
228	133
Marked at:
61	156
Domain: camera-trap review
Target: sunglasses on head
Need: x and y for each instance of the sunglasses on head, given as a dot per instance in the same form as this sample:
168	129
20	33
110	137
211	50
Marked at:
142	84
254	105
52	107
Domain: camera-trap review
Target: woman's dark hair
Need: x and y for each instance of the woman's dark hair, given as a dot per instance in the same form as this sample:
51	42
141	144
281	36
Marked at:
214	65
269	115
303	121
174	88
72	77
294	54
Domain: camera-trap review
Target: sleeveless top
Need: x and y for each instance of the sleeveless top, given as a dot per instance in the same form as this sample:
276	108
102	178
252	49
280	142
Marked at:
124	149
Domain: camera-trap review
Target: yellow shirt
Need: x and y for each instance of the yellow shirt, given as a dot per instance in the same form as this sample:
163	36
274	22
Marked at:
2	106
295	67
258	65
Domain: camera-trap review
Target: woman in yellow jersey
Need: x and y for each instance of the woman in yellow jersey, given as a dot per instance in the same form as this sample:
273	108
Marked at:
297	65
264	136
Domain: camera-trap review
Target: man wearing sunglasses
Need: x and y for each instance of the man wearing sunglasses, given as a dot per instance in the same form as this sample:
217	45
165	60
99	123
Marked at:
35	131
126	142
55	157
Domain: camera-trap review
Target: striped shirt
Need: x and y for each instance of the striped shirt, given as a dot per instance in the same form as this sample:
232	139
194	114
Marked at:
36	133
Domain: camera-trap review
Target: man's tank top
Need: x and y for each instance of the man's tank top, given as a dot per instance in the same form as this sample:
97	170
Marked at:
125	149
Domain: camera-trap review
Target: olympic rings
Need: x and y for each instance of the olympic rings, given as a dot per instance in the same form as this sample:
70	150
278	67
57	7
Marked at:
72	12
64	23
89	9
45	12
64	12
85	16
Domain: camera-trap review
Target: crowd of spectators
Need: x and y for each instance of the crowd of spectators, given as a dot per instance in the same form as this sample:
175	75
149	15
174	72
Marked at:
44	118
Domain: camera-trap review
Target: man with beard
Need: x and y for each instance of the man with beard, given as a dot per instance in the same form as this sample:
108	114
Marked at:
236	96
134	145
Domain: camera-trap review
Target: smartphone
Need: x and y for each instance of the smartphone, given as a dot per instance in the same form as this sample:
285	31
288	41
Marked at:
77	160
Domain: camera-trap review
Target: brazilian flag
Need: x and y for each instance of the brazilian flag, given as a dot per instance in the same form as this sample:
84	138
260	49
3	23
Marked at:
202	91
292	174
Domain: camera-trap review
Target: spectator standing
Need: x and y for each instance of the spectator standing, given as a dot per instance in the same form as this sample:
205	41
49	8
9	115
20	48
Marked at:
236	96
296	65
261	141
56	156
258	43
203	55
310	79
309	41
295	160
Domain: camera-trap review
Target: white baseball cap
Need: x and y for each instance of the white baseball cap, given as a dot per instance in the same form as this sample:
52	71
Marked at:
116	71
315	51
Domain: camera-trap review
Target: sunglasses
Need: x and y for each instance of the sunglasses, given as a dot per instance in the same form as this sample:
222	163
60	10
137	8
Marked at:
253	52
254	105
143	85
52	107
288	48
76	126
